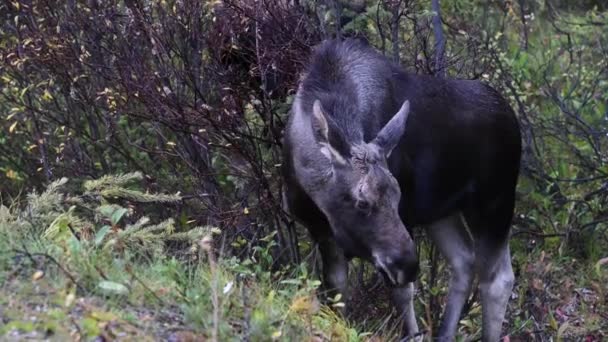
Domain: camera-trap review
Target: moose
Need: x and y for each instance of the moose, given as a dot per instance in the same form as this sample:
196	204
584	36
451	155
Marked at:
371	151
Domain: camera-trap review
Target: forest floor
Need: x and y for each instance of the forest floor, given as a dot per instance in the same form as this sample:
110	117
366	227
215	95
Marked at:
554	298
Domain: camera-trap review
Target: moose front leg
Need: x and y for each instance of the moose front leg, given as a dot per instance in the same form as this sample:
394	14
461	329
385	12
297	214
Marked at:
335	268
403	300
454	243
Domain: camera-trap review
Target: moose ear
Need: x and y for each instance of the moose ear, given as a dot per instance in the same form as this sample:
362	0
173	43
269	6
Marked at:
320	128
391	133
319	123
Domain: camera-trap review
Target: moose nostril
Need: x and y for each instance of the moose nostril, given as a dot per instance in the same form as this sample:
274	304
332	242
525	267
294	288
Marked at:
397	271
383	266
362	205
388	277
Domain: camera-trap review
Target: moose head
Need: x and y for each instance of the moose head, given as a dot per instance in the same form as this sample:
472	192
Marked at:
360	197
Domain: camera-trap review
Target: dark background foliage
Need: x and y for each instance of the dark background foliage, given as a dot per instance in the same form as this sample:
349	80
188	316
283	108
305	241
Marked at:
195	94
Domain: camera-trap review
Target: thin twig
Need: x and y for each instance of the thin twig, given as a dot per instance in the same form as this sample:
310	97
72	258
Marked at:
132	274
53	260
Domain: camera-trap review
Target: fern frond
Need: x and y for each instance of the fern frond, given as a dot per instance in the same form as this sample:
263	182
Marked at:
138	196
55	185
5	214
48	201
166	227
191	235
139	224
118	180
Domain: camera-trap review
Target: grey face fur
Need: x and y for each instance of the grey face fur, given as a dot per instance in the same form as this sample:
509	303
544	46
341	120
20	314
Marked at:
360	197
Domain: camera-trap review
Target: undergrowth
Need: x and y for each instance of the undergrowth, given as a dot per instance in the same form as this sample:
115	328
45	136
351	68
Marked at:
98	260
86	264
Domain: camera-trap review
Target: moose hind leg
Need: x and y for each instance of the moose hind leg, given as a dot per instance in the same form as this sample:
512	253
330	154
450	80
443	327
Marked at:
403	300
496	284
496	276
454	242
335	268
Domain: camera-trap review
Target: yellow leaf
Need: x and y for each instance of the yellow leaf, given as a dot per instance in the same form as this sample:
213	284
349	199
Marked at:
11	174
553	323
47	95
300	304
69	299
13	126
306	304
37	275
276	334
102	315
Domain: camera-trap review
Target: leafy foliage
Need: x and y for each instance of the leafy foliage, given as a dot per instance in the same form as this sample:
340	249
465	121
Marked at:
89	221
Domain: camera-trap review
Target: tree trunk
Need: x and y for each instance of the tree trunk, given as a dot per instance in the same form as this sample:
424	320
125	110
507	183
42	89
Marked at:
439	40
395	19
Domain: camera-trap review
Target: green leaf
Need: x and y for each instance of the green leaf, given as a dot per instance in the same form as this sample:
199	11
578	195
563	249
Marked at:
74	244
59	228
291	281
553	322
22	93
315	283
107	210
90	327
113	287
101	234
117	215
598	266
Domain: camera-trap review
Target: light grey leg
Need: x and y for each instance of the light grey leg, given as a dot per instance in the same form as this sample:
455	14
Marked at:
496	284
454	242
335	268
403	299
